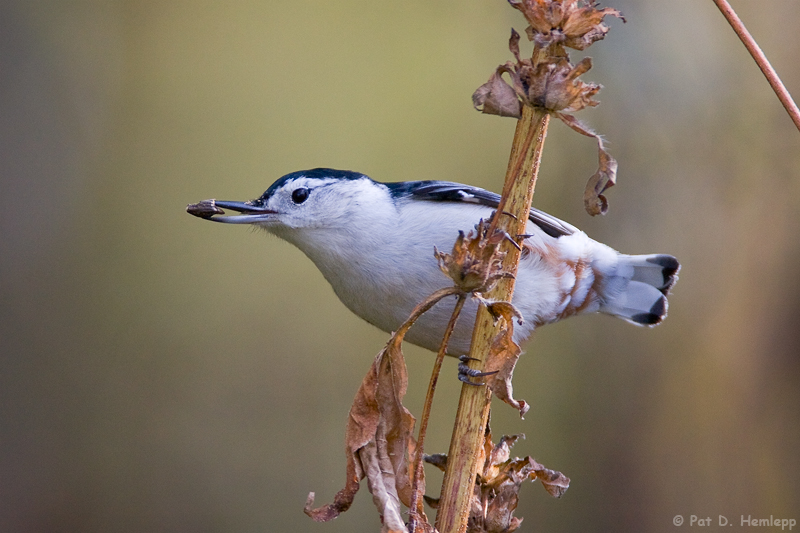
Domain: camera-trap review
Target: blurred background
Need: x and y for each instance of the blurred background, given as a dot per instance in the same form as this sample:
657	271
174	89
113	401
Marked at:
161	373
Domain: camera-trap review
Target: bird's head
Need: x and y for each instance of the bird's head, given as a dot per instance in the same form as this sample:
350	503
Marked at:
310	199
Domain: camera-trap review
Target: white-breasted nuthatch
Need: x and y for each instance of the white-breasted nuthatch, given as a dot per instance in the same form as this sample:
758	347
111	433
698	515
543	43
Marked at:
374	244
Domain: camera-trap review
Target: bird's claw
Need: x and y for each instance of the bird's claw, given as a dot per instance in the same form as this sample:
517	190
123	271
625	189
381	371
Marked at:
465	373
510	239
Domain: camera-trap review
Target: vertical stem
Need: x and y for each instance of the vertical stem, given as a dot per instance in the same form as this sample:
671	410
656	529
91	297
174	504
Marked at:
414	510
473	407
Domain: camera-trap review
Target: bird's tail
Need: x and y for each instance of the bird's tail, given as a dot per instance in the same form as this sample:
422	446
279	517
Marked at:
637	292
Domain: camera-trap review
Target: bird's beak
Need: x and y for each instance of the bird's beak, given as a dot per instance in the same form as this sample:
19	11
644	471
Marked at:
251	213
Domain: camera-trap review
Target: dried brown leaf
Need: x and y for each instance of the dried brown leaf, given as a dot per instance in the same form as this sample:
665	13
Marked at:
502	450
502	310
382	484
606	175
496	97
499	515
503	356
377	437
513	44
554	482
497	485
496	456
341	502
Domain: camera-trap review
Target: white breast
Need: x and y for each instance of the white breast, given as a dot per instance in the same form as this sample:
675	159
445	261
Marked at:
382	267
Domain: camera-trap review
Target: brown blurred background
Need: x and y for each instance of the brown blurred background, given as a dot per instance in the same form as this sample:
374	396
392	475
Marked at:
162	374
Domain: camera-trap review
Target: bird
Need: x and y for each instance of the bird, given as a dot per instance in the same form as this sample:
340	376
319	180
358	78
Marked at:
374	243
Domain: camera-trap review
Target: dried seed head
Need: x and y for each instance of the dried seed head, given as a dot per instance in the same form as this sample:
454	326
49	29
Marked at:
571	23
549	81
553	83
476	262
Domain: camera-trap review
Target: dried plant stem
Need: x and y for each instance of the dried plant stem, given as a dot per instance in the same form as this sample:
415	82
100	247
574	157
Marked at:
416	499
761	60
422	308
473	407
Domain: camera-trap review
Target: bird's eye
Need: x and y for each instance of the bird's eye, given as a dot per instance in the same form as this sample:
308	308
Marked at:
300	195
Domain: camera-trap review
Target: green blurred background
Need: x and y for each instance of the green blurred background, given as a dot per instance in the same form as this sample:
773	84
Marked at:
160	373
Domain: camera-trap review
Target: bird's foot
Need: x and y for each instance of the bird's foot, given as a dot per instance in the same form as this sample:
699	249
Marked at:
465	373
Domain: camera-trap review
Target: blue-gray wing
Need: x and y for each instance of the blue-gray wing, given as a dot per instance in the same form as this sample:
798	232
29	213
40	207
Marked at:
447	191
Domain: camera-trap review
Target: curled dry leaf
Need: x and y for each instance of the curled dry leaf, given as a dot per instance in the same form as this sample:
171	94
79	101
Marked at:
496	97
378	436
554	482
501	309
502	358
497	485
504	354
606	175
433	503
382	482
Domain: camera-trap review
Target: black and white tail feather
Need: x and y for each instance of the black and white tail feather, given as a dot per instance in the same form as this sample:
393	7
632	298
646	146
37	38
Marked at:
638	293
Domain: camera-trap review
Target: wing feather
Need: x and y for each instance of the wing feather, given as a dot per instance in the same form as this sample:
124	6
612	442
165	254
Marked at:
447	191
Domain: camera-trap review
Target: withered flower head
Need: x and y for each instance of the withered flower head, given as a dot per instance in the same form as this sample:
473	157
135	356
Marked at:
497	486
555	86
549	81
498	482
572	23
476	262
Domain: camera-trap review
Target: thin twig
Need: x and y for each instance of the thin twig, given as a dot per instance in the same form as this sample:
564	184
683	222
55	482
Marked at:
422	308
426	413
761	60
